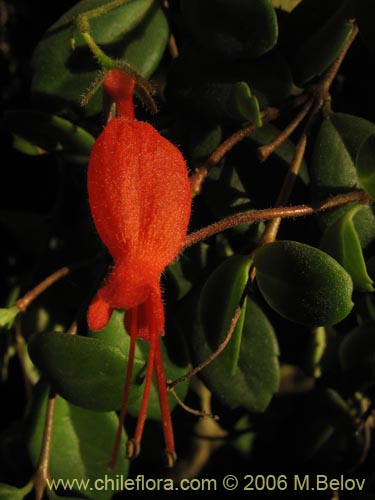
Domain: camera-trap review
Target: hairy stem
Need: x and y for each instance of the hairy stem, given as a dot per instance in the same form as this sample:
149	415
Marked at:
200	174
272	213
214	355
265	151
24	302
145	89
272	228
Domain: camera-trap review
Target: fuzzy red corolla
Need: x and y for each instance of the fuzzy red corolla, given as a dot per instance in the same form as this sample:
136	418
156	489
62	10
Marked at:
140	201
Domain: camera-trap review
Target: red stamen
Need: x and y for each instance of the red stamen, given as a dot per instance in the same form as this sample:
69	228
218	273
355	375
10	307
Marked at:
128	379
148	381
164	407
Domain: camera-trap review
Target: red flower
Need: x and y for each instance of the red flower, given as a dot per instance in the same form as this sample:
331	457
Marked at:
140	200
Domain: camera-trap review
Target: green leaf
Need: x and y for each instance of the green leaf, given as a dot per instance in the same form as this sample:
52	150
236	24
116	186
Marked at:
204	139
325	414
287	5
333	168
315	346
87	372
195	78
365	165
254	354
136	32
7	316
335	151
357	358
225	101
340	240
316	32
81	446
90	371
8	492
47	133
232	30
223	291
303	284
115	335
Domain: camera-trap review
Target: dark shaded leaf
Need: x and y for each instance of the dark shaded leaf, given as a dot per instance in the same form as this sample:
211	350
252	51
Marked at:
357	358
365	165
196	78
232	30
315	34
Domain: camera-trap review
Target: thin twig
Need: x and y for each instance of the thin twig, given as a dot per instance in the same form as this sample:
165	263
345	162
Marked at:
214	355
265	151
172	46
197	413
272	213
333	70
270	232
145	89
30	296
24	302
197	179
365	416
42	473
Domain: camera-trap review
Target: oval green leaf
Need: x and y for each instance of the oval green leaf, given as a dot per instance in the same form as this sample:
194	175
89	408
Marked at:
87	372
340	240
257	375
232	30
314	35
246	373
136	32
303	284
81	445
366	166
90	371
